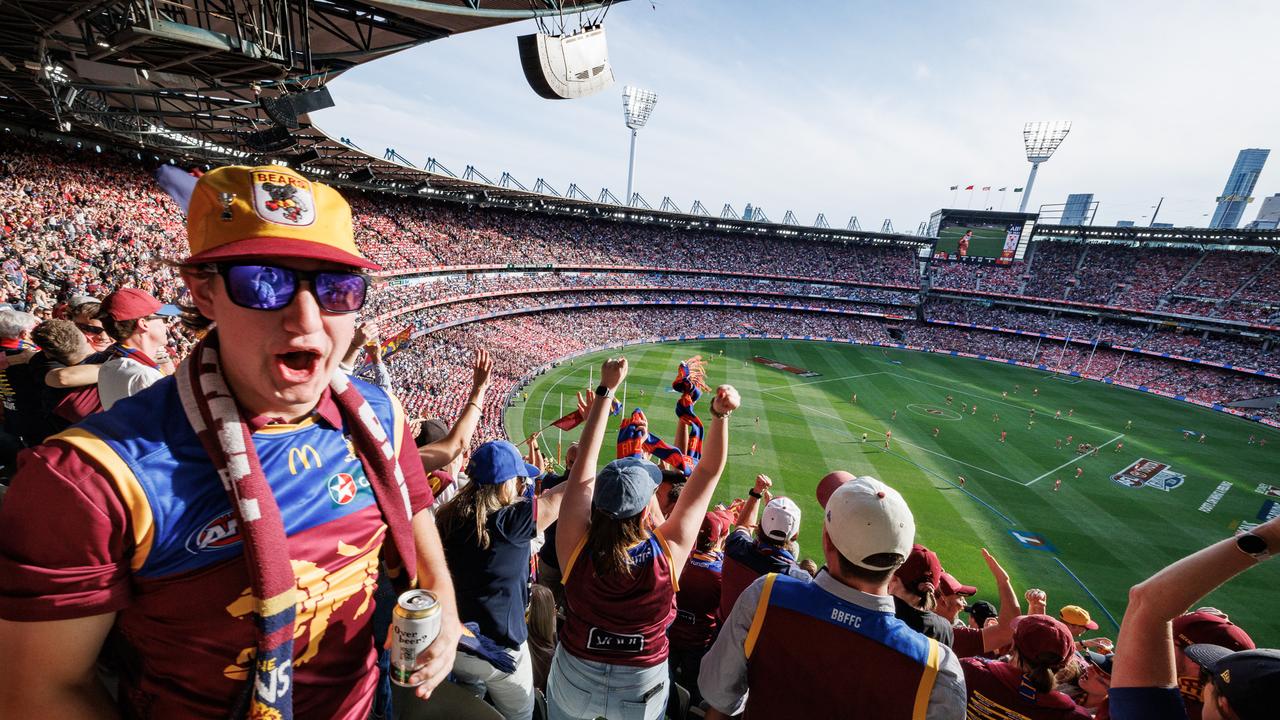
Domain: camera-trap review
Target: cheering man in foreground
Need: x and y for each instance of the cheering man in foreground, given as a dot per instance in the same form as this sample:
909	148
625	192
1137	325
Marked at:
228	523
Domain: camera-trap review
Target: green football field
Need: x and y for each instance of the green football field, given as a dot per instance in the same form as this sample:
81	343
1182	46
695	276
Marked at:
986	242
1104	536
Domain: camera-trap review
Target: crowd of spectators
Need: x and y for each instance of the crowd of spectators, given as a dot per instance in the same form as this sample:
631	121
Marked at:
79	225
979	277
1236	350
1176	280
453	287
405	234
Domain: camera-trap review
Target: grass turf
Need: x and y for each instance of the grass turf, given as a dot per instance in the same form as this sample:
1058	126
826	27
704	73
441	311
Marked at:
1106	536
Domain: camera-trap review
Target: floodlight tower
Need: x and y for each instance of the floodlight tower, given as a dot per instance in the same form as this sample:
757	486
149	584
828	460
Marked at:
1040	139
637	105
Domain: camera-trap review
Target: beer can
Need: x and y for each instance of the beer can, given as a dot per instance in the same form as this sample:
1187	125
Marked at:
415	625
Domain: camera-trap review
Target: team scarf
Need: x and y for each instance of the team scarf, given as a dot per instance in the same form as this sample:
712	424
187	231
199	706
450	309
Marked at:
634	440
216	419
690	384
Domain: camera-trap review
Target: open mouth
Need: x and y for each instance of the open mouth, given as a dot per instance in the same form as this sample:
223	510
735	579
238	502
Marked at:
298	365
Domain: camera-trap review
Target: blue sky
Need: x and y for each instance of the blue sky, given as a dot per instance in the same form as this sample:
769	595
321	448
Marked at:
852	108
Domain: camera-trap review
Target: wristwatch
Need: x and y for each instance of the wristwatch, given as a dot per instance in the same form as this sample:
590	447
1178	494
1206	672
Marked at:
752	492
1254	546
603	392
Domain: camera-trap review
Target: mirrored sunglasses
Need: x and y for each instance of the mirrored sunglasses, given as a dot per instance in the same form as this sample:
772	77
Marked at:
270	287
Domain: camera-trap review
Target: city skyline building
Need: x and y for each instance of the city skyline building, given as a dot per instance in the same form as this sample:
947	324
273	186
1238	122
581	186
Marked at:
1076	211
1240	183
1268	215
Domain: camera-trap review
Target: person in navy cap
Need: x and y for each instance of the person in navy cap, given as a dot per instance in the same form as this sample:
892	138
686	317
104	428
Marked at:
620	571
487	529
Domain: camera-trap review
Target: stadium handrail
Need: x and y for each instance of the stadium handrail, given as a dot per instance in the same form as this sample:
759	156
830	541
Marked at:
392	314
552	267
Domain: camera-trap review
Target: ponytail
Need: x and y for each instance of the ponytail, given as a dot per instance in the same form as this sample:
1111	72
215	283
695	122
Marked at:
1040	672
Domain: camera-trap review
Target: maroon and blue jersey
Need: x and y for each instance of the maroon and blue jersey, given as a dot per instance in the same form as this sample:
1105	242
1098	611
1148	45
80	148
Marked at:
811	654
620	619
1000	691
698	602
150	535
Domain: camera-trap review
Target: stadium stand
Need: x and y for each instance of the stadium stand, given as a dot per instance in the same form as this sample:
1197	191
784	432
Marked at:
536	290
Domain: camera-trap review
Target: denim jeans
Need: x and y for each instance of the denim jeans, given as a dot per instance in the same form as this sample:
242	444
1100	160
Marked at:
584	690
511	693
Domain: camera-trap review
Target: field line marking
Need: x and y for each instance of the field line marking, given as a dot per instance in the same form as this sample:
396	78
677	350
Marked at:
1071	460
952	483
904	442
819	382
1088	592
542	406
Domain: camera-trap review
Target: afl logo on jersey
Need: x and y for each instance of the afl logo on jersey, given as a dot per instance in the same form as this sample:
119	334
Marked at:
221	532
343	488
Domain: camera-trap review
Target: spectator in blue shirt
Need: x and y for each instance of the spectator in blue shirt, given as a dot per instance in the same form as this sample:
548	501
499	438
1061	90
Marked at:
487	530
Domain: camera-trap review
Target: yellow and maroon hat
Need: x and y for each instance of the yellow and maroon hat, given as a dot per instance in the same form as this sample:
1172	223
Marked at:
253	213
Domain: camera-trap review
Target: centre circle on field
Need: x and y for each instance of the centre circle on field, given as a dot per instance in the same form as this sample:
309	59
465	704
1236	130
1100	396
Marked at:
940	413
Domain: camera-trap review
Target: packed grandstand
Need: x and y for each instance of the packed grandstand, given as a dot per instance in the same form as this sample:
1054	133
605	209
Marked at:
1192	322
202	513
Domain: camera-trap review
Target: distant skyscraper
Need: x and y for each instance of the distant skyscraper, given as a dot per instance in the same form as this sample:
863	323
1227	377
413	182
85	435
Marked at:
1268	215
1244	175
1076	211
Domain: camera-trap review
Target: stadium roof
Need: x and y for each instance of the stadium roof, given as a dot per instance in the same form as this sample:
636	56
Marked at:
195	80
190	75
1154	235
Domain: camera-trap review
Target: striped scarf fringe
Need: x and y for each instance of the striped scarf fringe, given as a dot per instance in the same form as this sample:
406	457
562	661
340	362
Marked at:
214	415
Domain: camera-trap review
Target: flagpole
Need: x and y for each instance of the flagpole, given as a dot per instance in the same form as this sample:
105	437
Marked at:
986	199
970	191
624	396
955	189
1002	197
560	431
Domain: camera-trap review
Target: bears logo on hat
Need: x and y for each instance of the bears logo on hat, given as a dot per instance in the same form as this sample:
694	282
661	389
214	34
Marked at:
283	198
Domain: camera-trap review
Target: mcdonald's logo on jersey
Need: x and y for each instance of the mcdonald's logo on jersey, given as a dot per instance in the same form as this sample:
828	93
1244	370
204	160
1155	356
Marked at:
305	456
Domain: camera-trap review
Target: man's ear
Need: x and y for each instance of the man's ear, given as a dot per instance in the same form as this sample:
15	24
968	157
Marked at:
1224	709
200	283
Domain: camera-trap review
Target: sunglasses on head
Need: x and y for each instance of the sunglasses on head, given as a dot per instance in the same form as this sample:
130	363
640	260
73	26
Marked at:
271	287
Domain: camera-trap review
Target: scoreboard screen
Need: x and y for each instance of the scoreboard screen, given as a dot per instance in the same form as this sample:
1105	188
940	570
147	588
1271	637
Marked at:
982	241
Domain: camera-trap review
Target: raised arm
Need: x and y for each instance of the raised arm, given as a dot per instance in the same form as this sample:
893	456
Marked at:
681	528
443	451
1146	633
575	506
1000	633
366	334
750	510
549	503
